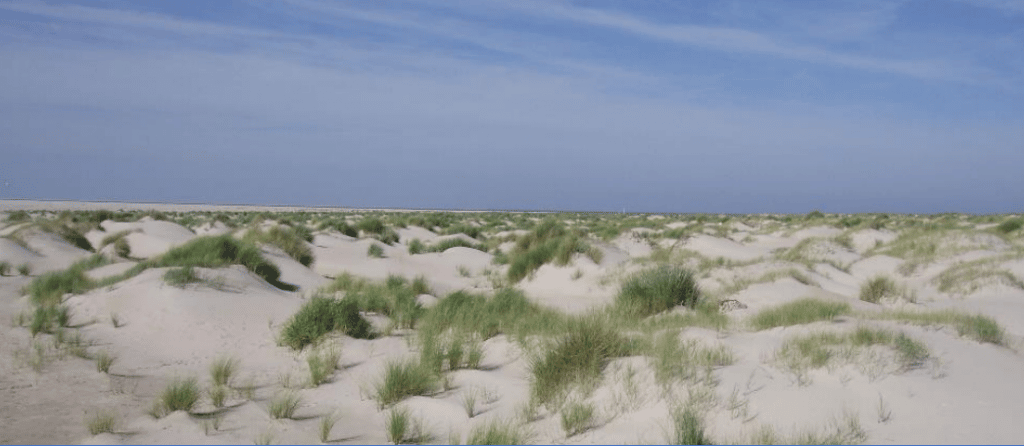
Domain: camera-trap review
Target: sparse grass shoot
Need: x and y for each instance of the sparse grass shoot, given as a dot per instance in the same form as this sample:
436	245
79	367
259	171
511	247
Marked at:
101	422
284	405
222	369
103	361
402	428
577	418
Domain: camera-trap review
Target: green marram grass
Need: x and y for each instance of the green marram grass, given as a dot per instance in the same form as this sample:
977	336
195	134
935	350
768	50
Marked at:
800	311
402	428
223	369
284	405
550	241
975	326
658	289
290	240
403	379
181	277
816	350
101	422
577	418
676	360
497	432
375	251
320	316
878	288
576	359
181	394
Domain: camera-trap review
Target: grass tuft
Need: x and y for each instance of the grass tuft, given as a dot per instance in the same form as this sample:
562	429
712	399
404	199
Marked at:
322	365
576	359
496	432
181	277
181	394
375	251
326	425
659	289
877	289
577	418
322	315
222	369
688	427
801	311
403	379
104	360
285	405
101	422
402	428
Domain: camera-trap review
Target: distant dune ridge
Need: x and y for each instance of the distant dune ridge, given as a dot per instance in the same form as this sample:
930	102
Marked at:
162	323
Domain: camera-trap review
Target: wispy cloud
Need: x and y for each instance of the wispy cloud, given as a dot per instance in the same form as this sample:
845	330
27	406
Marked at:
509	100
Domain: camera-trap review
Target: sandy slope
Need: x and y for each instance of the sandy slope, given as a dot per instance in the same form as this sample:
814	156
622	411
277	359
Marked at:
967	392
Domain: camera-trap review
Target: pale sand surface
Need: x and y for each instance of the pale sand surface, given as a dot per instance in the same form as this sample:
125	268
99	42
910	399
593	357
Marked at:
967	392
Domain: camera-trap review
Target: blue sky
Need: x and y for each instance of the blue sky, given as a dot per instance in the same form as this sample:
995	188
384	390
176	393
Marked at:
662	106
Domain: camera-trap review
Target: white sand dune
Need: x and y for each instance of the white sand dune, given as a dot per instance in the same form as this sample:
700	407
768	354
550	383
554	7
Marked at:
964	391
150	238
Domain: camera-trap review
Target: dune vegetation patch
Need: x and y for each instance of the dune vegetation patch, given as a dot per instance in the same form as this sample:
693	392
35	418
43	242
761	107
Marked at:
320	316
800	311
816	350
967	277
575	359
395	297
403	379
550	241
447	244
659	289
290	240
975	326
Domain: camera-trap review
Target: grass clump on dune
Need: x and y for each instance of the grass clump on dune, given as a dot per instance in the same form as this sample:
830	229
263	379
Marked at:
801	311
659	289
674	360
496	432
402	428
1010	225
181	277
403	379
549	241
394	298
877	289
322	315
101	422
575	359
416	246
284	405
447	244
688	427
375	251
289	240
216	252
577	418
222	369
181	394
509	311
975	326
817	350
